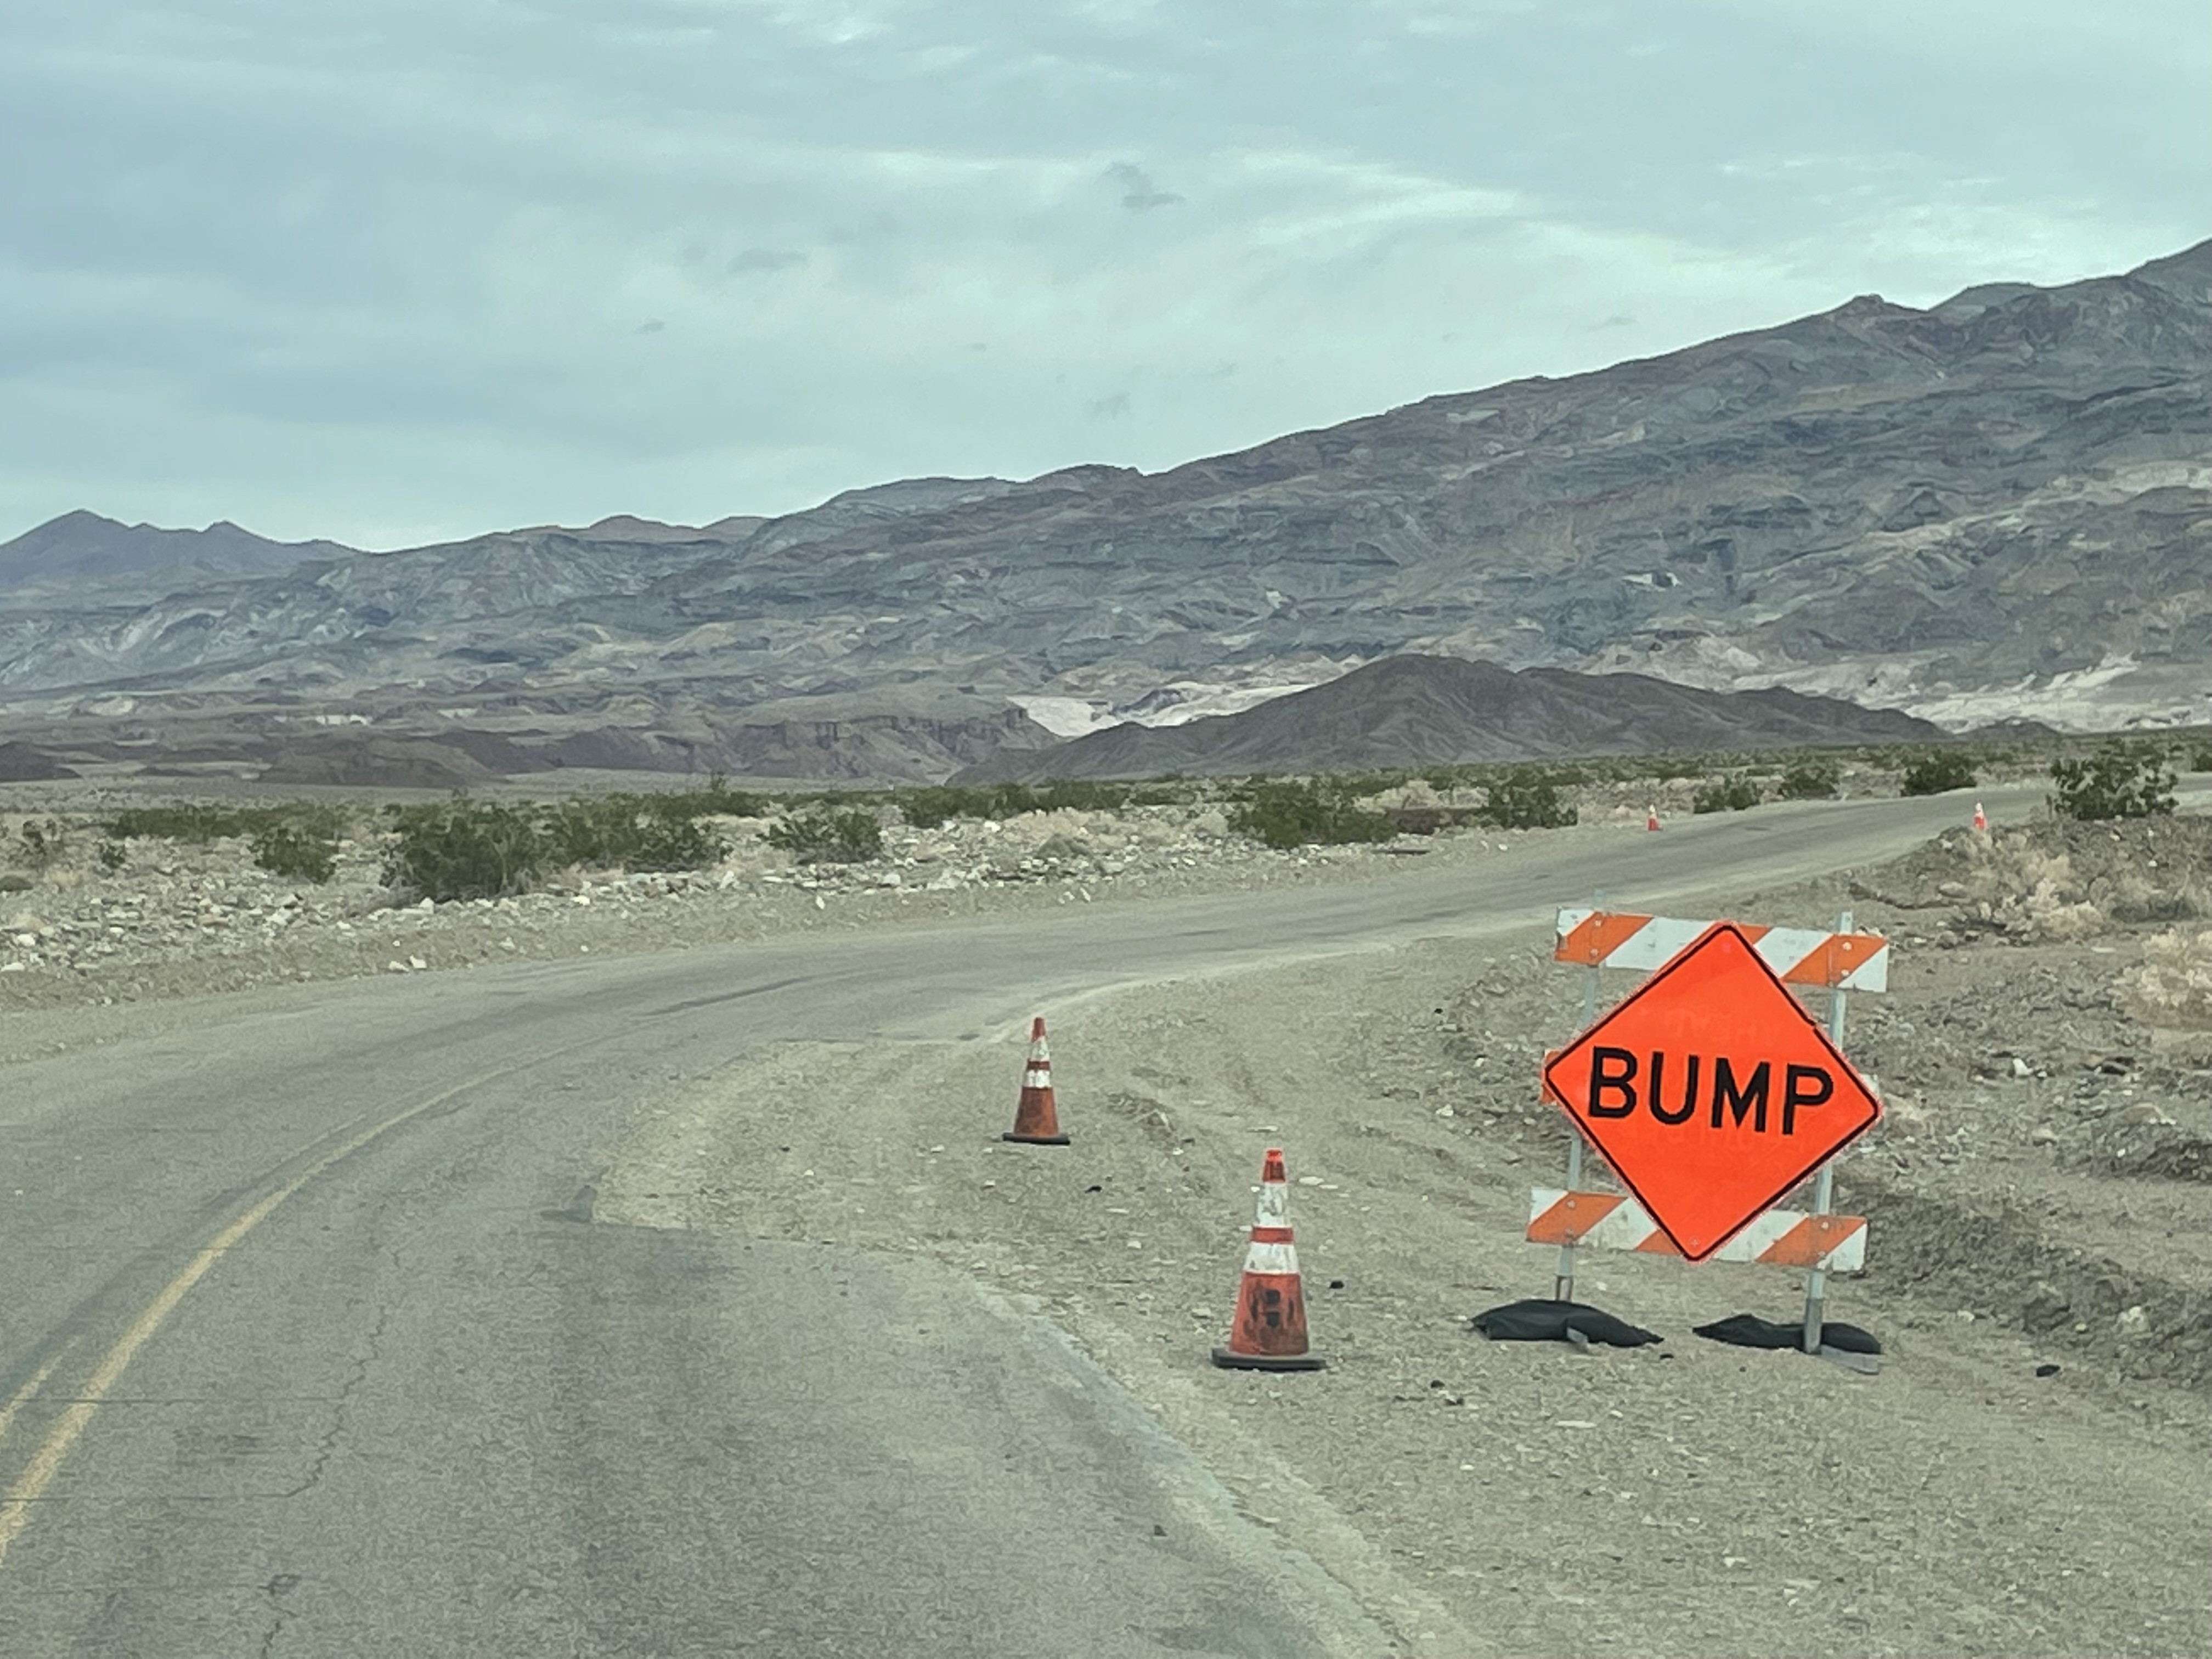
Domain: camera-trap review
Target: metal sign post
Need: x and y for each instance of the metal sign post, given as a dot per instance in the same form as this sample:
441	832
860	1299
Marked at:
1824	1184
1563	1282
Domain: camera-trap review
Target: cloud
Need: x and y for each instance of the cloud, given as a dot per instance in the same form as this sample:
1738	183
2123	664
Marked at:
1139	193
385	277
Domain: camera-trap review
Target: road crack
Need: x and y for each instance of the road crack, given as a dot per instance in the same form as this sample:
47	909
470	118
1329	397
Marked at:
372	1351
276	1589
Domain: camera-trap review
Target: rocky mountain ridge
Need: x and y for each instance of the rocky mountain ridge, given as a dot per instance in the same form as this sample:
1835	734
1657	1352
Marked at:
2001	506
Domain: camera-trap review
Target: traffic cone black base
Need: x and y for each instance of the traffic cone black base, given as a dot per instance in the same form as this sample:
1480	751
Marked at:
1230	1359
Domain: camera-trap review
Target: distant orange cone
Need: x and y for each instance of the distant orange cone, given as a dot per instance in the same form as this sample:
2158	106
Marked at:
1981	818
1036	1120
1650	818
1268	1333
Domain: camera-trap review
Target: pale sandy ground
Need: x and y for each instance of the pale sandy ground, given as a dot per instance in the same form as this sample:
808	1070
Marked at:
1688	1498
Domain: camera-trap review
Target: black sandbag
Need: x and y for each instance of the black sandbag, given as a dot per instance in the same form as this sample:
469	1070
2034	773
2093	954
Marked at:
1750	1331
1540	1321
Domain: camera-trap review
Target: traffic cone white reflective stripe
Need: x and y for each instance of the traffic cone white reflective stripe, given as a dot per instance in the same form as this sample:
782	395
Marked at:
1268	1332
1268	1255
1037	1115
1274	1207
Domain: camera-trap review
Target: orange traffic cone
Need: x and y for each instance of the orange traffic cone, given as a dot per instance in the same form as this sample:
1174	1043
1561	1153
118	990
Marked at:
1650	818
1981	818
1036	1121
1269	1331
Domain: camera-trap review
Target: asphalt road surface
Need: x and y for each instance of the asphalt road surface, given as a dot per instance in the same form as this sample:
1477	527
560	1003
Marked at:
309	1344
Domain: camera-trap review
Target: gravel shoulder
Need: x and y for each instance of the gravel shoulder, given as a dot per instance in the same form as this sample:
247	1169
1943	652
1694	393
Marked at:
1495	1498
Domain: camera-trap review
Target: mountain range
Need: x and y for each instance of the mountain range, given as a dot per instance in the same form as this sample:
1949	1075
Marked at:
1997	507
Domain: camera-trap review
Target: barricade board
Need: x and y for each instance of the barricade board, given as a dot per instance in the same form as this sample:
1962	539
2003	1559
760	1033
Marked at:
1614	1221
1816	957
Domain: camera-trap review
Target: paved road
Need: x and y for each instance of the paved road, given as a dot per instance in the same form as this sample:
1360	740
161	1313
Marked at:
307	1348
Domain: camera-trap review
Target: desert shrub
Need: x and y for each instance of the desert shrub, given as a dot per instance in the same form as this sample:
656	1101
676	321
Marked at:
826	834
595	831
713	799
1809	781
2120	780
676	844
1355	786
629	832
1526	798
1163	792
1110	795
296	852
664	843
112	856
1936	771
465	850
1081	794
2200	760
932	804
199	823
1293	814
43	840
1734	794
185	821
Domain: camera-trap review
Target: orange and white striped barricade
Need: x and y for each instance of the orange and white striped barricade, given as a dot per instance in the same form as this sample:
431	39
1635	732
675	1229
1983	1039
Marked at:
1615	1221
1832	959
1839	960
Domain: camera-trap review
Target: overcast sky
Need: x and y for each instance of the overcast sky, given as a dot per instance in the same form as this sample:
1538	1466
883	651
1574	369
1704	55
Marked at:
399	270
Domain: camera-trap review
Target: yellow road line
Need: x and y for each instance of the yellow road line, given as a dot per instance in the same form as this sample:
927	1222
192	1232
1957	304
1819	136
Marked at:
25	1394
46	1461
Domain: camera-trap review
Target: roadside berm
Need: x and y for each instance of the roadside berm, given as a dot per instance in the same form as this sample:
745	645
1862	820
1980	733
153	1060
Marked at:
2027	1473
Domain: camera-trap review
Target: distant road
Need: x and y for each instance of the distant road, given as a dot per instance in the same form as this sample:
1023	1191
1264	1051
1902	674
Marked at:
306	1350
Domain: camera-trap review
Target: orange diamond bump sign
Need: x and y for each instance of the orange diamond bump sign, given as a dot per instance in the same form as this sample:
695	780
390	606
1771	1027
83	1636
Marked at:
1710	1091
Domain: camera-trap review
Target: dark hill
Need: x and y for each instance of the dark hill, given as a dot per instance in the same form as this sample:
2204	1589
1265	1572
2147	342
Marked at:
1436	711
20	762
82	554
